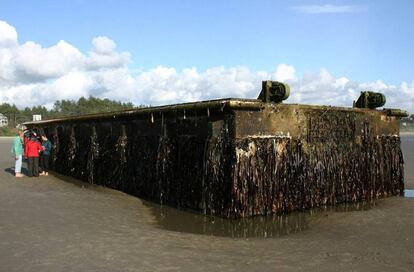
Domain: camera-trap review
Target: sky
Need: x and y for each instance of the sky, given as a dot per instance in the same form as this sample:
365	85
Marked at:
171	51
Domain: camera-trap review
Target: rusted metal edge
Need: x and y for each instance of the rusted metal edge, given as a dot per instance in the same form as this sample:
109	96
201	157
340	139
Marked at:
327	109
209	105
220	104
395	112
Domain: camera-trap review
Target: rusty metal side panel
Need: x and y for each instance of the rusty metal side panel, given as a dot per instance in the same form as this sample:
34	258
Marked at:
293	157
314	123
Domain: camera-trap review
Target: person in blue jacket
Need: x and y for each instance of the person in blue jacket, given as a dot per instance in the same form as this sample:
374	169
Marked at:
45	155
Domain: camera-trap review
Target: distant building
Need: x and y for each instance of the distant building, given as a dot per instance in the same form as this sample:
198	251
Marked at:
37	117
4	122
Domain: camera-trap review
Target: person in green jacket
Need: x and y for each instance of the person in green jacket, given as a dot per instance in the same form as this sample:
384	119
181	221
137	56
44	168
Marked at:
17	151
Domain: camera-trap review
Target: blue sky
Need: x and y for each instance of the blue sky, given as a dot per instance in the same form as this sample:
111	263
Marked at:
333	47
375	42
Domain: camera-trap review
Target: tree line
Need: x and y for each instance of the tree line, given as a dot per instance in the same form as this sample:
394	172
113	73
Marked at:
62	108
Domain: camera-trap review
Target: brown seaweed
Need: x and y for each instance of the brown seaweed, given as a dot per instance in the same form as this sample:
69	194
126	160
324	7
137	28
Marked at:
199	163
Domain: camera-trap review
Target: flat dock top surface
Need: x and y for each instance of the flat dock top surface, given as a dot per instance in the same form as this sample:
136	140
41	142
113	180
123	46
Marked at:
55	224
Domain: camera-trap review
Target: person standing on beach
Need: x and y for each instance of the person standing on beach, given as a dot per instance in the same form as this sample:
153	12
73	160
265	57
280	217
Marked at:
17	151
31	151
44	156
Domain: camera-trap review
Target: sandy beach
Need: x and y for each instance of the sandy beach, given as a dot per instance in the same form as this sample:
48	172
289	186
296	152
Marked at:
407	146
58	224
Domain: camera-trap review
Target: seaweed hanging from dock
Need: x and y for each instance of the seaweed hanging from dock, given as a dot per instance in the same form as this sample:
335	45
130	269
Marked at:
232	178
278	175
253	159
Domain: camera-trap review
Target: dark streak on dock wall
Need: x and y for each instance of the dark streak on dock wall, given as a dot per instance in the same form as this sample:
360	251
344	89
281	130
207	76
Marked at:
236	162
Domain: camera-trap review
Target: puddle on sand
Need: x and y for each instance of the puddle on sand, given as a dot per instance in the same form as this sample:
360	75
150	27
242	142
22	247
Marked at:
188	221
409	193
261	226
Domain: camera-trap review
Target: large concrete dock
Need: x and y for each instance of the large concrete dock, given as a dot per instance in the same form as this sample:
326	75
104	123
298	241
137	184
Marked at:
55	224
235	158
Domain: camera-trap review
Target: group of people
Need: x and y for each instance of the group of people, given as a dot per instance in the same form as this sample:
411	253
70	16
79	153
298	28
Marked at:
35	149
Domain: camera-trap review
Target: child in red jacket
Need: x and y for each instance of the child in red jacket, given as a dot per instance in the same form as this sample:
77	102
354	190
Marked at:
31	152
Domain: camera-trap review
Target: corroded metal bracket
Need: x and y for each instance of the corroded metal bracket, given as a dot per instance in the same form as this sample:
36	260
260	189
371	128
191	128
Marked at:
274	91
395	112
370	100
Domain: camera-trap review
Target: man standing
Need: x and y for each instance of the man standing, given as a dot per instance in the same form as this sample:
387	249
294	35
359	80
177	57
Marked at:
17	151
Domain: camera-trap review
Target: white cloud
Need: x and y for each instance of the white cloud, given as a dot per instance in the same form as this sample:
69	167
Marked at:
285	72
33	63
103	45
33	75
328	8
103	55
8	35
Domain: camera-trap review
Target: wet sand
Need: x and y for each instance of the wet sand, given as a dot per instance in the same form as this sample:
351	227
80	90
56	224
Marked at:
57	224
407	145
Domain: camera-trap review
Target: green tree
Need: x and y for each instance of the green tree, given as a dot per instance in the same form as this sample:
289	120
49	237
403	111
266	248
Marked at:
63	108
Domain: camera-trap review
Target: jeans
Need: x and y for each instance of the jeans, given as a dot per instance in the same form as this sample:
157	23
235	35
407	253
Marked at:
44	162
18	164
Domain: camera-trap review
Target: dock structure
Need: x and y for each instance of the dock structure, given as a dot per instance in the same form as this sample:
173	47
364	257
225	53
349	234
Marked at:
235	157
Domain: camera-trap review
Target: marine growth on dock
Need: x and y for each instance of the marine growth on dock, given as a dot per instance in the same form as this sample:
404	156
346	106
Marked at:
237	157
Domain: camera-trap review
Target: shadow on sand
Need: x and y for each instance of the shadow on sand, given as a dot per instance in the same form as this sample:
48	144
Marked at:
260	226
10	170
